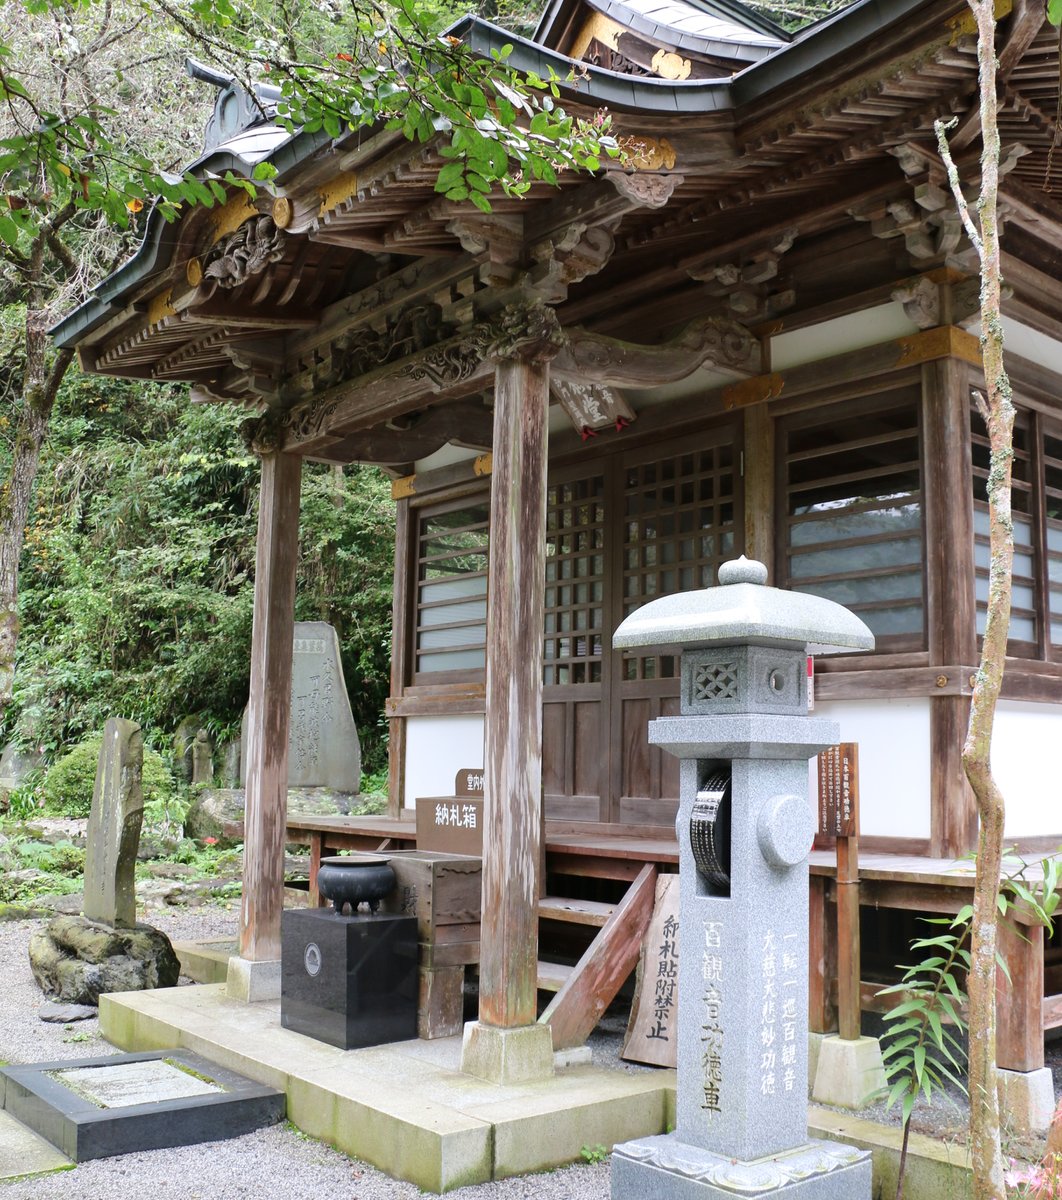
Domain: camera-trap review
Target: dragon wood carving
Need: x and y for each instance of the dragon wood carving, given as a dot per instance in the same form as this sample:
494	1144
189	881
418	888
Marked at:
247	252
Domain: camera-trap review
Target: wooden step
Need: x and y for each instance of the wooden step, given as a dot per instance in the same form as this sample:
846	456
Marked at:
553	976
575	912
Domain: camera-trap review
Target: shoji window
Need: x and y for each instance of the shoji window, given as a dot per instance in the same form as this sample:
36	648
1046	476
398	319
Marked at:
451	623
1024	618
852	495
1053	531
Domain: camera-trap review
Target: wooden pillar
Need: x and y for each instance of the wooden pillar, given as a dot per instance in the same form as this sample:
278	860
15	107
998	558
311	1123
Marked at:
1019	999
269	707
759	471
508	965
950	611
401	646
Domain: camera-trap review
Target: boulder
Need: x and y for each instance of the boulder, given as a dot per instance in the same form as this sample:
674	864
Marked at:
64	1014
75	960
218	812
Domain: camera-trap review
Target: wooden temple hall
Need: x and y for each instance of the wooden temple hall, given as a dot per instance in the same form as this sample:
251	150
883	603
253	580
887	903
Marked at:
758	335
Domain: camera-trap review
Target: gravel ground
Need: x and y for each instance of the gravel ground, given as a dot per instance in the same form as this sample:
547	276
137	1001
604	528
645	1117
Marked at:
273	1164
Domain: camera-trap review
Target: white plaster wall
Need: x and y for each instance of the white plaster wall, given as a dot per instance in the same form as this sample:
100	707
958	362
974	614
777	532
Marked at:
842	334
436	749
893	738
1027	763
1029	343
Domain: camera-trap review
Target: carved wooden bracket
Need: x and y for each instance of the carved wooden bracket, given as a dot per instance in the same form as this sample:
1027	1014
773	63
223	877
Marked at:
748	284
247	252
708	341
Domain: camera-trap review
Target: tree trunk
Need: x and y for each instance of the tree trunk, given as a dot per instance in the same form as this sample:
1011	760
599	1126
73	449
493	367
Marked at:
998	412
40	385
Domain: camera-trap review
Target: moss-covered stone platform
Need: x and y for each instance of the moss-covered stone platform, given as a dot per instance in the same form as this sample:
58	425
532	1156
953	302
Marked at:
406	1108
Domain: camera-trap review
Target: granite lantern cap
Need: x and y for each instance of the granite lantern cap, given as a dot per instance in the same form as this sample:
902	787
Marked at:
742	609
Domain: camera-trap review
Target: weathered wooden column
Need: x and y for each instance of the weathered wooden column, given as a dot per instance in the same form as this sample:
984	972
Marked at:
268	713
506	1044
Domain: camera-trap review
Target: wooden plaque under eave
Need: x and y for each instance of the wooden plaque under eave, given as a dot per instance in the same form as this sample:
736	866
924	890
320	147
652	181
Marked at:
652	1031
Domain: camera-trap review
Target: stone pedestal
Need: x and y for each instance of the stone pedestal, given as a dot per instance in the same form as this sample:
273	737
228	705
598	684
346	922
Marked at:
349	981
1026	1101
849	1072
507	1055
252	980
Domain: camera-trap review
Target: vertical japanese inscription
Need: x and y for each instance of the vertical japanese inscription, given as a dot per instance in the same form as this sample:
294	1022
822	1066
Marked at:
712	1029
666	982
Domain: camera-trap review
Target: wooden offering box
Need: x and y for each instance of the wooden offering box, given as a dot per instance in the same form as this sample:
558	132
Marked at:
444	893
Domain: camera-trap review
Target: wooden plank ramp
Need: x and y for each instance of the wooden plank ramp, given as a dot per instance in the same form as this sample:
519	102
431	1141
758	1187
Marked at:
595	979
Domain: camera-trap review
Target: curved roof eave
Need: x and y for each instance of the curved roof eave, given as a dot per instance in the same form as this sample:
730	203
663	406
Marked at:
751	43
829	38
156	247
594	85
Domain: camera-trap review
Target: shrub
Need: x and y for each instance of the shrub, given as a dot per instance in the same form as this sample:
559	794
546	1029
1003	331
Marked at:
69	783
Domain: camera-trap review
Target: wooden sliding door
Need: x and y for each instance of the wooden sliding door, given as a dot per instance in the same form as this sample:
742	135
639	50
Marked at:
622	529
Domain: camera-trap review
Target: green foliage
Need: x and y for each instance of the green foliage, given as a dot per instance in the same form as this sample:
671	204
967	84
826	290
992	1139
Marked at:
69	783
1054	12
137	576
593	1154
922	1050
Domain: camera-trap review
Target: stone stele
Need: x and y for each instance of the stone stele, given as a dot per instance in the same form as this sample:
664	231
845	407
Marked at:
114	826
323	747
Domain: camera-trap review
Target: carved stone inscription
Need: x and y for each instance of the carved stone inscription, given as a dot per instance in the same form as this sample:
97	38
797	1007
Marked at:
323	747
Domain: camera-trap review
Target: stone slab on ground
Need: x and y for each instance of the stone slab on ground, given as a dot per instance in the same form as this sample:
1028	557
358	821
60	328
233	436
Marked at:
406	1107
935	1170
23	1152
121	1104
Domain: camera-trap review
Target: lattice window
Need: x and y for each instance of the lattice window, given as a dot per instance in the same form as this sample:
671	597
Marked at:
852	500
1024	616
679	525
452	546
1053	530
575	581
714	681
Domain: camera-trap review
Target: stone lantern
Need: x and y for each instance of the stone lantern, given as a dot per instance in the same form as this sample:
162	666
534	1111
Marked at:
745	827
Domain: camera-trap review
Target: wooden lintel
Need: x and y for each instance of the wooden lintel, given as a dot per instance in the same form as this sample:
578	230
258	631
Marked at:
945	341
449	370
471	469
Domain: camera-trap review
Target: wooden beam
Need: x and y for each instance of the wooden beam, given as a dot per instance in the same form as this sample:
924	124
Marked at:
269	707
576	1009
513	726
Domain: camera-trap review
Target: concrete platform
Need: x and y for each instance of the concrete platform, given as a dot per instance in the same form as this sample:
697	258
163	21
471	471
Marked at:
405	1108
206	962
24	1153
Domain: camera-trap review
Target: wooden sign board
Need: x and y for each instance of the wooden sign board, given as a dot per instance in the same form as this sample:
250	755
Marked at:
451	824
652	1031
469	782
839	790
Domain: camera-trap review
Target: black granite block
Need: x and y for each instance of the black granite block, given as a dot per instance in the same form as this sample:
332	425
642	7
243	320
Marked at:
349	981
83	1127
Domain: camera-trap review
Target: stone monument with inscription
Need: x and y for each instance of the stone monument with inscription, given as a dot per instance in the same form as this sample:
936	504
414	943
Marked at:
745	827
323	746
